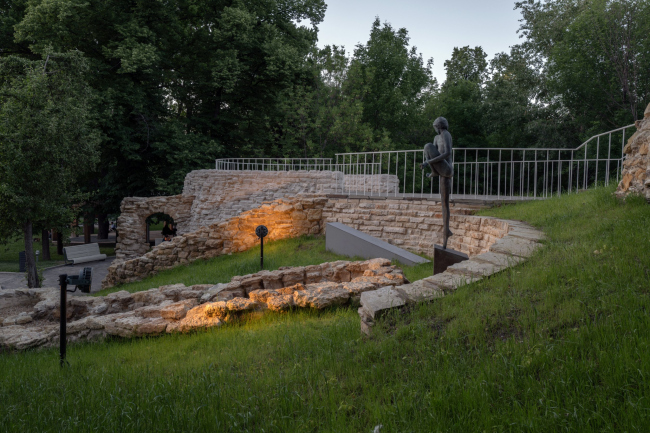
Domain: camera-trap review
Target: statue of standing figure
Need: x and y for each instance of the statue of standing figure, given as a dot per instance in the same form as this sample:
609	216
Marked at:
439	156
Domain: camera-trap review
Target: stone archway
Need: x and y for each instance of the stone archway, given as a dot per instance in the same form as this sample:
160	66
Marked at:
132	226
155	224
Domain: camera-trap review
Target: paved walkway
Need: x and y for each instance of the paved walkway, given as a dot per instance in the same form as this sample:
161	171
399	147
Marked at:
16	280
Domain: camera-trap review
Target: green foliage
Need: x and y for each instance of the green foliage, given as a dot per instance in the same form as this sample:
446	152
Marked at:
45	122
556	344
597	56
395	84
178	84
466	64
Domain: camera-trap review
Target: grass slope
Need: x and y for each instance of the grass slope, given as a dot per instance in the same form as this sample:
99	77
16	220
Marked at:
559	343
302	251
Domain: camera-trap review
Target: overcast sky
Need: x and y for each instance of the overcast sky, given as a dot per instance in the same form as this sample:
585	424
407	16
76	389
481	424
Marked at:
435	26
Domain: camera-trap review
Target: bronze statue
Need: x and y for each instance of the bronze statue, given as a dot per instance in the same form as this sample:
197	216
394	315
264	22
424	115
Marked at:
439	156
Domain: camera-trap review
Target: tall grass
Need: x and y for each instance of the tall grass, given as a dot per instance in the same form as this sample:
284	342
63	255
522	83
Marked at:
559	343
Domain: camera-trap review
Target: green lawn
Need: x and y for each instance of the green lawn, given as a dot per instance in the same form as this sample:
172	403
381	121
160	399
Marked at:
9	254
303	251
559	343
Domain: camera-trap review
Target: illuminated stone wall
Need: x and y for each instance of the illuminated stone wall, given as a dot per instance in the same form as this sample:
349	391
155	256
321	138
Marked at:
211	196
218	212
285	218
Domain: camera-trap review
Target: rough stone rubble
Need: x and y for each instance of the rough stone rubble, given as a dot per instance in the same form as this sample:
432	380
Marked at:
177	308
520	242
636	165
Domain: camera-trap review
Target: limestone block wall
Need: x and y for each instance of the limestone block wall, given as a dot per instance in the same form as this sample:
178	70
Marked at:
416	225
220	195
284	218
636	165
370	184
211	196
131	224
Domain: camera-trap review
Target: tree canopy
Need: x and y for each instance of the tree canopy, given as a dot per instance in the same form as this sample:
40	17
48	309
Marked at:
178	84
48	141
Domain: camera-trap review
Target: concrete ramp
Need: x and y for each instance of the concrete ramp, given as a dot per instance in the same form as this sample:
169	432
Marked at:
345	240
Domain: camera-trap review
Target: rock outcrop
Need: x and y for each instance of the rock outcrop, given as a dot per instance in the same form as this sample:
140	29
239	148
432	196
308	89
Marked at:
636	165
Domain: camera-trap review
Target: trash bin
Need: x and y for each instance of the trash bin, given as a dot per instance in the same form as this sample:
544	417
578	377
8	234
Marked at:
22	260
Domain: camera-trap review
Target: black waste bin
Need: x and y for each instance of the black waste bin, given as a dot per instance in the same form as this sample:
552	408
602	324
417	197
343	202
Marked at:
22	259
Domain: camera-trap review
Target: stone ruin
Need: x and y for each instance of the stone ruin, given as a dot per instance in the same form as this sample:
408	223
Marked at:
177	308
213	196
636	165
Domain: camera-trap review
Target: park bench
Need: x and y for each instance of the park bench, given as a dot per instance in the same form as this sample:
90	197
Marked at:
82	254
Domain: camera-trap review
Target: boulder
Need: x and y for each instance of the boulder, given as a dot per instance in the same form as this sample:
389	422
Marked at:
241	304
293	276
21	337
202	316
321	295
177	310
280	302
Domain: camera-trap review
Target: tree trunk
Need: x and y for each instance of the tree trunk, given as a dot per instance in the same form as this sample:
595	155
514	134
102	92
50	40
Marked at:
45	243
87	224
59	243
32	274
102	222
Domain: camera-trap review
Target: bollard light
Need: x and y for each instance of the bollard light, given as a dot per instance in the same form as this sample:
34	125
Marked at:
261	232
37	254
83	283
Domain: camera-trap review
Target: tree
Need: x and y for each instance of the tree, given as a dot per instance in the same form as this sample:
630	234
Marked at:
47	139
460	98
466	64
178	84
395	82
325	115
597	57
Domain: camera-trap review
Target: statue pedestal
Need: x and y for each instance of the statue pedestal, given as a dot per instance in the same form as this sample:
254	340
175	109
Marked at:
443	258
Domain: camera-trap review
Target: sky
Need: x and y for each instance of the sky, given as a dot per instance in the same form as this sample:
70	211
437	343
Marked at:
434	26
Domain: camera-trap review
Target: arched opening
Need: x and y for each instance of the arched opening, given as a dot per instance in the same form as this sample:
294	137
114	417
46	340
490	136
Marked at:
158	226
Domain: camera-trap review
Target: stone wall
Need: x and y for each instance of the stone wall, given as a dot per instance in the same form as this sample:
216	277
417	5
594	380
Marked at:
283	217
211	196
221	195
416	225
636	166
411	224
370	184
520	242
131	224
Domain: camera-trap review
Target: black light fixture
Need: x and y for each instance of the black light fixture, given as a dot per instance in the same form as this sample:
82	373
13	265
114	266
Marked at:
81	282
261	232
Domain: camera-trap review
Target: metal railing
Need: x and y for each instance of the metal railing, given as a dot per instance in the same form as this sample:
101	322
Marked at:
275	164
525	173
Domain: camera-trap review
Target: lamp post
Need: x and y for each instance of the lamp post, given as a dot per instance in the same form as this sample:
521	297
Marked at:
83	282
261	232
